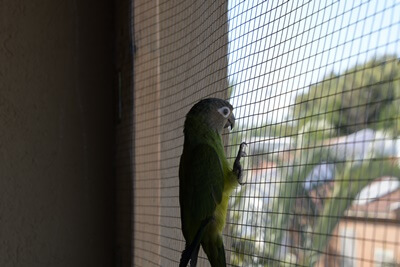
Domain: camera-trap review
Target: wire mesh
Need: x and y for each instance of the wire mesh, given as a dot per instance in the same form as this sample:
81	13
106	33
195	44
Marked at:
316	91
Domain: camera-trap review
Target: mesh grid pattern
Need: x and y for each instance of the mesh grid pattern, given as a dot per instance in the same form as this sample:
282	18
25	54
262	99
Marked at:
316	91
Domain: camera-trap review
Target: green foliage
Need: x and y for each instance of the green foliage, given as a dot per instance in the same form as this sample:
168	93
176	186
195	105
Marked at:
283	215
287	215
366	96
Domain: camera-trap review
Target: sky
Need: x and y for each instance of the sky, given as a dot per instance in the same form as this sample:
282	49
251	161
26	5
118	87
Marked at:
277	49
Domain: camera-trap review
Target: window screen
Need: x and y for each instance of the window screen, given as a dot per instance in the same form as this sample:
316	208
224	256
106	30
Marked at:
316	91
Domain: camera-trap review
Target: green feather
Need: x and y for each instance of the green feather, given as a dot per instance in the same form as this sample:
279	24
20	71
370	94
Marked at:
205	182
201	190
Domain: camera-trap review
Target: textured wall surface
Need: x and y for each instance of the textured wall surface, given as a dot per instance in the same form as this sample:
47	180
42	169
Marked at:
56	133
181	58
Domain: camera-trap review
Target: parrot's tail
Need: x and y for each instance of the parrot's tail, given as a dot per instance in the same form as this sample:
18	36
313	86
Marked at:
191	251
215	253
189	254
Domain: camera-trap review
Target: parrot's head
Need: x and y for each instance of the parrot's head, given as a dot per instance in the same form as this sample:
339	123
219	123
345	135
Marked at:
215	113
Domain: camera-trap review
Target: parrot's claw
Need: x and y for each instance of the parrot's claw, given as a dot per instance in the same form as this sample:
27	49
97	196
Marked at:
237	167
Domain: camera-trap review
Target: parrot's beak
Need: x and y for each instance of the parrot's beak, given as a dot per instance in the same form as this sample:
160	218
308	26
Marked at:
230	122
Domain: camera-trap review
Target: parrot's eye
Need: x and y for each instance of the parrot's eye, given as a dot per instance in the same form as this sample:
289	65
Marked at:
225	111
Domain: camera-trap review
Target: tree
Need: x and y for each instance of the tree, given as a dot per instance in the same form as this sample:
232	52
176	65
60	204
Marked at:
366	96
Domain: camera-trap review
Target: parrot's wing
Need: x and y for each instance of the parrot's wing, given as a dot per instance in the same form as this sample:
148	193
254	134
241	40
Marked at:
206	177
201	185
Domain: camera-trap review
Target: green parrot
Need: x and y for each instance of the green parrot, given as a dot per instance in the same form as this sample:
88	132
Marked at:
206	180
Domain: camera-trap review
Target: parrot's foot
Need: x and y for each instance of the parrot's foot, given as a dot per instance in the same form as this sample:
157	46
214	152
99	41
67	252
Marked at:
237	167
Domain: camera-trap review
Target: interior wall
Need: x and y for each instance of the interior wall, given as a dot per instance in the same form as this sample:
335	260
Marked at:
181	49
56	133
124	134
